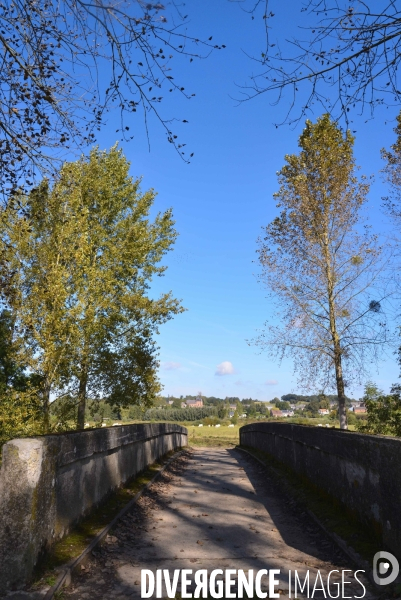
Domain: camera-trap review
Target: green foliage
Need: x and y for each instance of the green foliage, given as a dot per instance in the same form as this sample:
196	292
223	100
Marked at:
324	401
78	259
294	398
135	412
372	392
20	406
222	412
126	370
179	414
20	414
282	405
312	407
251	409
63	413
12	373
383	413
352	418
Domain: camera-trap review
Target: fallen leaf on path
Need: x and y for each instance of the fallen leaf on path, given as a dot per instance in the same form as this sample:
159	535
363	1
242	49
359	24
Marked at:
200	542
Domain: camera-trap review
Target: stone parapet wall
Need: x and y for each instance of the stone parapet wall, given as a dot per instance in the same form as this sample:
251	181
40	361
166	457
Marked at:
48	483
363	472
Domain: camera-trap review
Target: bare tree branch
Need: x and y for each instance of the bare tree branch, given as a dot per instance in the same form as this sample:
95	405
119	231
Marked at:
348	57
64	65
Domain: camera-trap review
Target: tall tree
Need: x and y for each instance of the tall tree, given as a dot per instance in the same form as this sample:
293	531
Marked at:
319	268
345	57
84	253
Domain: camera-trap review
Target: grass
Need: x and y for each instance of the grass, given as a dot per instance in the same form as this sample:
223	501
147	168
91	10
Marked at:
223	436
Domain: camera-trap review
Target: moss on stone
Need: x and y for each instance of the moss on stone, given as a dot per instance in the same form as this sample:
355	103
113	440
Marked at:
336	517
74	543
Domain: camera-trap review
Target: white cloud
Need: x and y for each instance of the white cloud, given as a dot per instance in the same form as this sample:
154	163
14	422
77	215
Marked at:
225	368
271	382
170	366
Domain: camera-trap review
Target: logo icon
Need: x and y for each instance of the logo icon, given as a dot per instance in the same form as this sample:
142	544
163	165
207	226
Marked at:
385	568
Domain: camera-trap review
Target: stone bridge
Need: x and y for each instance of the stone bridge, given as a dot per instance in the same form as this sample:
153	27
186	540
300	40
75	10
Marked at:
212	508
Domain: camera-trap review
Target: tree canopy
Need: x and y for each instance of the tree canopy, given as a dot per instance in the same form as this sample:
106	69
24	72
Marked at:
83	253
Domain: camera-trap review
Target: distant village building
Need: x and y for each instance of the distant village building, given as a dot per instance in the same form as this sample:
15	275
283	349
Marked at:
197	403
357	404
358	410
324	411
275	412
287	413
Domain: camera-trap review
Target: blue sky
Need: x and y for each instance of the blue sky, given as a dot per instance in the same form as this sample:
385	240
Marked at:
220	202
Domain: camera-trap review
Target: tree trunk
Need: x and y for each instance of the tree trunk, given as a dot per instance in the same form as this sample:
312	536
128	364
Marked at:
335	338
340	390
83	381
46	408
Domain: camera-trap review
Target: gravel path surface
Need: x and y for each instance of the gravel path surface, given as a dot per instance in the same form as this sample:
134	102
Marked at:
213	508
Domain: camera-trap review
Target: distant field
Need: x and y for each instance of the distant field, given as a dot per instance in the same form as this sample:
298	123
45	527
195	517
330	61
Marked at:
225	436
213	436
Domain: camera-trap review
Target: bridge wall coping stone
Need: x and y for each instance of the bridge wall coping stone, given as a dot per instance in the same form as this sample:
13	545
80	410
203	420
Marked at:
48	483
362	472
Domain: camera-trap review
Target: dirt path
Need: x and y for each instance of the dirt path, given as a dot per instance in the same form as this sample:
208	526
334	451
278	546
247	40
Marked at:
213	509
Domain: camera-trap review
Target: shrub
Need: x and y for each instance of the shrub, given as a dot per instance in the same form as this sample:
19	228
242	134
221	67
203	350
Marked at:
179	414
383	414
